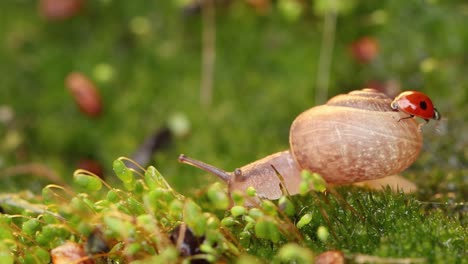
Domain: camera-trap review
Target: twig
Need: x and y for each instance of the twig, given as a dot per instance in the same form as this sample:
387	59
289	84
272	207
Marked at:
325	56
208	52
16	201
36	169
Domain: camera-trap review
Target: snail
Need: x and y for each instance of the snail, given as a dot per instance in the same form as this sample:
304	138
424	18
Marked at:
354	137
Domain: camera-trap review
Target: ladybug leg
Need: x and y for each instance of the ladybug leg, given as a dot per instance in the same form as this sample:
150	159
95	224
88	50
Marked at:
421	125
408	117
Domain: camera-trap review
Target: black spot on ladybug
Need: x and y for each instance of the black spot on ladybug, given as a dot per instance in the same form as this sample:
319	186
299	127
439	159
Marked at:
423	105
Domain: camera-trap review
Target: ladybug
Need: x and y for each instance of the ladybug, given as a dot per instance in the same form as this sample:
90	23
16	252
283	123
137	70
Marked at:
417	104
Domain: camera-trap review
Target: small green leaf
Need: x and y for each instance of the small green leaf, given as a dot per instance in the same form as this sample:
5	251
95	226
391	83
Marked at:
318	183
306	176
49	219
124	174
176	208
6	256
207	249
147	222
30	227
5	220
102	205
238	210
132	249
293	253
303	188
269	207
228	221
55	231
286	206
251	191
88	202
249	220
194	218
5	231
154	179
47	235
84	227
322	233
140	186
245	236
212	222
305	220
151	201
119	226
249	225
48	195
135	206
218	196
112	196
167	255
267	229
87	182
238	197
162	195
78	205
151	178
256	213
130	186
312	181
36	255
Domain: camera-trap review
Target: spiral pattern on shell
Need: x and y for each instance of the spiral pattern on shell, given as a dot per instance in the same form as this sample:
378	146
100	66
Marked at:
355	137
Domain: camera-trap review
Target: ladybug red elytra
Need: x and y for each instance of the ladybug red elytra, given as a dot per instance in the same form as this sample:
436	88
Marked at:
417	104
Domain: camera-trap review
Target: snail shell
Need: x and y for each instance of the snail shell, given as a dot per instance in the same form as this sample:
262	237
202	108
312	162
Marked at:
355	137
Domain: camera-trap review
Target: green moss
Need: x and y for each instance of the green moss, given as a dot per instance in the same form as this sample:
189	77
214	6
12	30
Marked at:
138	224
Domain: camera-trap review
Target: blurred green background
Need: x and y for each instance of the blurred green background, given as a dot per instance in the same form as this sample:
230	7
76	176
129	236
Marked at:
145	59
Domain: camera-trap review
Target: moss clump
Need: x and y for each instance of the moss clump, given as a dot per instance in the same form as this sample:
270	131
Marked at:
148	221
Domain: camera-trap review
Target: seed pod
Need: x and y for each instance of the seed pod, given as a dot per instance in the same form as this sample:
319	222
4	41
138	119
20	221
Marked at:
365	49
85	94
60	9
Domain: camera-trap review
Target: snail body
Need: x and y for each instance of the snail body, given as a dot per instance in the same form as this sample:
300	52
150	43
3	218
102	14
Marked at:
260	174
354	137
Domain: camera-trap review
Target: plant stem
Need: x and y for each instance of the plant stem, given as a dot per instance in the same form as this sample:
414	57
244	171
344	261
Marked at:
208	52
325	57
